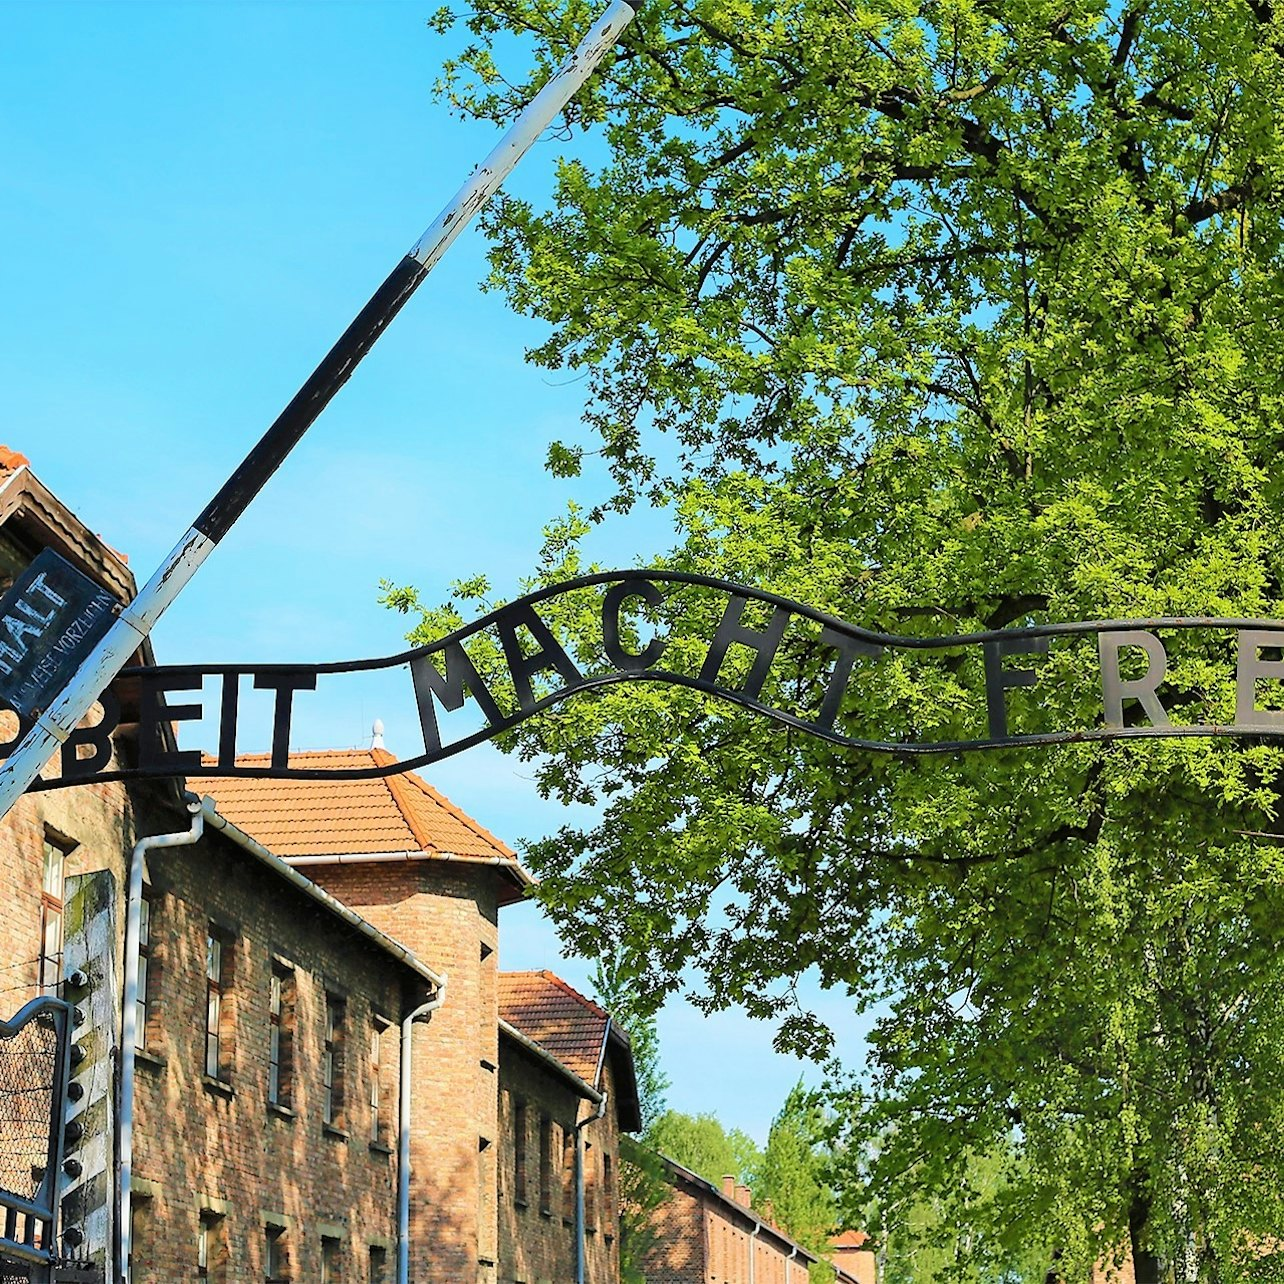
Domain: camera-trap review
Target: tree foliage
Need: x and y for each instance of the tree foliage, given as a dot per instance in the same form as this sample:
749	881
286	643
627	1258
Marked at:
702	1144
616	992
941	315
791	1180
643	1189
791	1177
941	1235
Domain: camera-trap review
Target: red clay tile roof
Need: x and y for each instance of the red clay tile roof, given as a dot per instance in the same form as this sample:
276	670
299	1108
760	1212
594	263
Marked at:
399	813
560	1019
849	1239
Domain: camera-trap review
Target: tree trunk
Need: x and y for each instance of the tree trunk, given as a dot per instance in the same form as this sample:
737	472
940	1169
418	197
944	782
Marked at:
1145	1264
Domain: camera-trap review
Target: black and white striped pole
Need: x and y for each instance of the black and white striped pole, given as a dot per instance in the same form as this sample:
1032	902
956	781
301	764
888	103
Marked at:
55	723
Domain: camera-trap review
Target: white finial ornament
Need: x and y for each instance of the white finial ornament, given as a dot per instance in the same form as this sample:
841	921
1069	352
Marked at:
376	732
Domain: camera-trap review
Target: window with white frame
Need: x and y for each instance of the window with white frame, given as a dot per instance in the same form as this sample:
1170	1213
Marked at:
51	906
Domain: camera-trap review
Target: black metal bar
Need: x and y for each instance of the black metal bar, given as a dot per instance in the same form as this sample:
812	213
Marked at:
312	398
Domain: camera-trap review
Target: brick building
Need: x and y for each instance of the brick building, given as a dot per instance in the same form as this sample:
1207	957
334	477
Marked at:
567	1089
853	1257
266	1077
267	1085
278	956
520	1063
415	866
703	1234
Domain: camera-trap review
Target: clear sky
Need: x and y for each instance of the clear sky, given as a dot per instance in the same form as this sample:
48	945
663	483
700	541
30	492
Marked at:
195	199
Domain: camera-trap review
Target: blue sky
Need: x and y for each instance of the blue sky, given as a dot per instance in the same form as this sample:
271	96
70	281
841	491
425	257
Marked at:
194	201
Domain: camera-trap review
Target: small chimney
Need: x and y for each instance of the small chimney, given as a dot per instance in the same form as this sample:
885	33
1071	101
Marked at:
744	1197
376	734
729	1187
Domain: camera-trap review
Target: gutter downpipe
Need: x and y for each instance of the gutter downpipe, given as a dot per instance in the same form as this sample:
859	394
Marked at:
753	1252
129	1017
403	1129
579	1160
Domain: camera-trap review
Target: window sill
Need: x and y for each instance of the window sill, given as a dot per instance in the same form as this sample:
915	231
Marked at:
281	1112
219	1087
333	1130
380	1148
521	1203
145	1057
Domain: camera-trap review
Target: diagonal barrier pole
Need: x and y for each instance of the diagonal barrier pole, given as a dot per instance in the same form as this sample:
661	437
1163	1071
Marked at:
135	622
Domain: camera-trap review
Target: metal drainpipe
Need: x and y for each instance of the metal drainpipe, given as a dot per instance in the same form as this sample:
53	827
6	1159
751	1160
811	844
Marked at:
579	1160
579	1186
403	1130
129	1016
753	1253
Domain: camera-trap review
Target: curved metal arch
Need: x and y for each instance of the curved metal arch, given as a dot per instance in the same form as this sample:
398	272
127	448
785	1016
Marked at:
520	608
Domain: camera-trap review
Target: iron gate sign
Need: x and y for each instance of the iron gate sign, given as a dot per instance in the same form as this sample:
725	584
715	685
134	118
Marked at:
49	621
1126	672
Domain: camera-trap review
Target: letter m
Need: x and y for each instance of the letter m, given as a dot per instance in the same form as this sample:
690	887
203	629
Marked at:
450	688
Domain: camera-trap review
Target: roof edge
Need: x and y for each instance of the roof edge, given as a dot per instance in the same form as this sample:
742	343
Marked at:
414	779
65	532
304	884
708	1187
584	1088
521	877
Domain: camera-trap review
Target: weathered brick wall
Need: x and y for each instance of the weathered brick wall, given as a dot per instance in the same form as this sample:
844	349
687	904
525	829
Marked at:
447	914
731	1239
536	1239
602	1212
537	1246
699	1238
94	822
678	1251
201	1145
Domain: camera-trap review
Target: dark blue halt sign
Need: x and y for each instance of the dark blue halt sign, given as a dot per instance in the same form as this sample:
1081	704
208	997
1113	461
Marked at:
49	620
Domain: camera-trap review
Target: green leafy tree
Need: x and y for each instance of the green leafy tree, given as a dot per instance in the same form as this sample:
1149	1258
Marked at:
791	1179
619	995
940	315
936	1236
702	1144
643	1188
